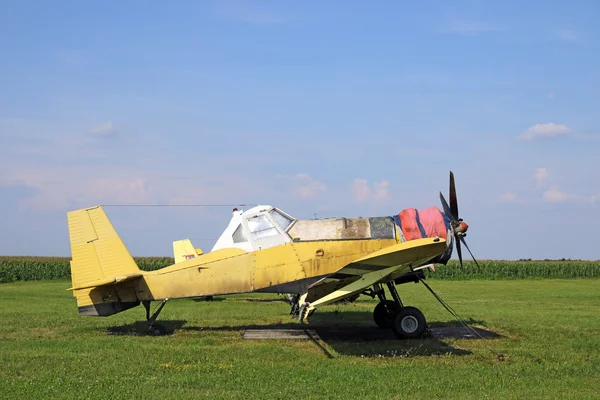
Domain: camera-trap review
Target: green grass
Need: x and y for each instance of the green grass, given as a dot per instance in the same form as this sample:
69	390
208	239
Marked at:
549	340
14	269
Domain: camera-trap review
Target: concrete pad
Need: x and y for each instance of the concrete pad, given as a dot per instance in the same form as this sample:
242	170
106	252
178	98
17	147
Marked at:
295	334
362	333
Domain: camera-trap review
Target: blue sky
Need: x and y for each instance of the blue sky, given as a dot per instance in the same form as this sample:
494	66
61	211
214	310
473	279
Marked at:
329	108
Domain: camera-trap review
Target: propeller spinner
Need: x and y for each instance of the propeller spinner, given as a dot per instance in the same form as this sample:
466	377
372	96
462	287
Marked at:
459	227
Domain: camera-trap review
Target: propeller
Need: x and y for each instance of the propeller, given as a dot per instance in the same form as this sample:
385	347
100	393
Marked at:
458	225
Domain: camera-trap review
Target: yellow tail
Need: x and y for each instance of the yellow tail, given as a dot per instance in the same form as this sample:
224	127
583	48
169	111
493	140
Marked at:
103	273
184	250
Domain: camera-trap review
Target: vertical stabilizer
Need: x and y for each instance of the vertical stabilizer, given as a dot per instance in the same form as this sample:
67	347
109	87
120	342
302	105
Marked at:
98	256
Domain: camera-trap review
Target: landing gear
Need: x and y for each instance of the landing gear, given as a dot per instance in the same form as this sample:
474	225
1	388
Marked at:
294	300
154	328
384	314
407	322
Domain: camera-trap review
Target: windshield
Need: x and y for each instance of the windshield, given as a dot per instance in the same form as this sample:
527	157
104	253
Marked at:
261	227
280	219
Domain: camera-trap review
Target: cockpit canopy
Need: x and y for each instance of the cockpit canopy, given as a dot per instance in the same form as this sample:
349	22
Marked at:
265	226
257	228
262	227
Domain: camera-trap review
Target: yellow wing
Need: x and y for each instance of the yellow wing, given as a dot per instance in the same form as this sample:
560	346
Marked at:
380	266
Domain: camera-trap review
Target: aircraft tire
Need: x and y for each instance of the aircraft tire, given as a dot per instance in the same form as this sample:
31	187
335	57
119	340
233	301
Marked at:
409	323
382	317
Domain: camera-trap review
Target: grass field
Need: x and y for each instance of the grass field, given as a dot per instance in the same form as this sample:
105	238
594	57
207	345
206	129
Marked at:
550	342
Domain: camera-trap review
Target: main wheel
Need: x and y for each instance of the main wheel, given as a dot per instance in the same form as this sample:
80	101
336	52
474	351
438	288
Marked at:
409	323
384	313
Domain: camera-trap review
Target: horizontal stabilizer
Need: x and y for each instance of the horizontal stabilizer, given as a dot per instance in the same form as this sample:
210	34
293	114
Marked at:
183	250
107	281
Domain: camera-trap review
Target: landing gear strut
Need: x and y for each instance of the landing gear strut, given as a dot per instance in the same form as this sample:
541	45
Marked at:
385	310
155	329
407	322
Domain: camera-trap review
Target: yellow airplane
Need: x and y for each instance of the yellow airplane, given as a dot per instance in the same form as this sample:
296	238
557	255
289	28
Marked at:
265	250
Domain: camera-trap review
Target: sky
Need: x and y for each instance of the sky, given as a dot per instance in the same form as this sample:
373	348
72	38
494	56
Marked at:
323	109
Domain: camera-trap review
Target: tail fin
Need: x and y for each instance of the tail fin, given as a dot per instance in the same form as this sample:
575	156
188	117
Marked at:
100	264
184	250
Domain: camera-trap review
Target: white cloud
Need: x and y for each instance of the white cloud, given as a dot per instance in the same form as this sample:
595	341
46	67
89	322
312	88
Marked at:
61	188
66	189
124	191
380	191
509	197
363	192
541	131
305	186
105	130
540	176
554	195
6	182
544	192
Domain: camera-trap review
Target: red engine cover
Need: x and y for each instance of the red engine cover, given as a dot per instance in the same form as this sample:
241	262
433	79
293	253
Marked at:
422	224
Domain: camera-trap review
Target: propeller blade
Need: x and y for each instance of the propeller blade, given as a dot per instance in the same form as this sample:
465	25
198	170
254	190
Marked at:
458	250
465	243
453	200
447	210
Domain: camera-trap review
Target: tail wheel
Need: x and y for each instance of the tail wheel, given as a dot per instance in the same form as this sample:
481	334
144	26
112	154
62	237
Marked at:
409	323
384	314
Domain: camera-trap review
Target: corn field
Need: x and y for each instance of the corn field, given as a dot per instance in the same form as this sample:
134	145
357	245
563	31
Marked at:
14	269
497	269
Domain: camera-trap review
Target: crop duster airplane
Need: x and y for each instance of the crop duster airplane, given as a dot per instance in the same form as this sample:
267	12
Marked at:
263	249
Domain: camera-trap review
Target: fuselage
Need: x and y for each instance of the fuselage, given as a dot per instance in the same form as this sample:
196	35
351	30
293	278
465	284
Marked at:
287	255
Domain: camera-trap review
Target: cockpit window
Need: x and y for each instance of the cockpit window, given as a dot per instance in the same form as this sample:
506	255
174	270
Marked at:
280	219
238	235
261	227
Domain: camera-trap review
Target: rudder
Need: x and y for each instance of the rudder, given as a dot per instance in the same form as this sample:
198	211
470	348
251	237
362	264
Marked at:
99	259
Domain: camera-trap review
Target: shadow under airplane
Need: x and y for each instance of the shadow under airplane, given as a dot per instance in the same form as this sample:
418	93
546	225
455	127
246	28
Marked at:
353	334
